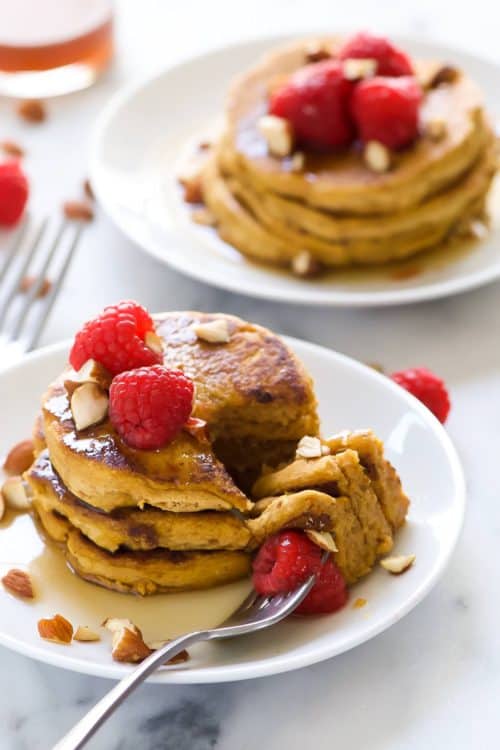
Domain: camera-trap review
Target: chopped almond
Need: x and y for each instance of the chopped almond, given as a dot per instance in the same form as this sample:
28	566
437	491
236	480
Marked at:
323	539
127	641
179	658
85	635
87	189
310	447
278	134
89	405
213	331
398	564
377	156
57	630
304	265
19	583
15	495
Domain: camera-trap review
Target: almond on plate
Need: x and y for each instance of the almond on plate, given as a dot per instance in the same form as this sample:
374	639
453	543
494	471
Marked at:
15	494
19	458
127	642
19	583
56	629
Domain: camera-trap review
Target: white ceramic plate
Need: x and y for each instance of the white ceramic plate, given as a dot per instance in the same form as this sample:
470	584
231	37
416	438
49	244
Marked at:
351	396
137	148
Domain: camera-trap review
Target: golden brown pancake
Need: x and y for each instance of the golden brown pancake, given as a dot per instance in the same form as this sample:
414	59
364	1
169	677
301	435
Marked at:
335	207
133	528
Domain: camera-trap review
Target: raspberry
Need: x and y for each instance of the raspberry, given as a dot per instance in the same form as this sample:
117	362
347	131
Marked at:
428	388
386	110
328	594
284	561
391	61
115	338
14	190
315	100
149	406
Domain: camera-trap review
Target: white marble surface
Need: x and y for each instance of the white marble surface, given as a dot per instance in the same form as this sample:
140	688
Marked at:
433	680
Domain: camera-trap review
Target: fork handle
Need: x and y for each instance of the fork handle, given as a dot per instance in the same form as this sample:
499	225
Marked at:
87	726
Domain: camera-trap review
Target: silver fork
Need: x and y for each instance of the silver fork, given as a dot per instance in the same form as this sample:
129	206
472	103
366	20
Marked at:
36	251
256	613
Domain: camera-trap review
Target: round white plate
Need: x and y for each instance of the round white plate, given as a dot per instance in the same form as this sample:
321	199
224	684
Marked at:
351	396
138	146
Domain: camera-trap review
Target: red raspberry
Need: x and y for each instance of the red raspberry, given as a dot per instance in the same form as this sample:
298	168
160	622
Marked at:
386	110
391	60
115	338
149	406
284	561
315	101
428	388
328	594
14	190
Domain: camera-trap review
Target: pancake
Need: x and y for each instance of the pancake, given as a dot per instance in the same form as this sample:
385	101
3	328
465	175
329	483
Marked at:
132	528
334	207
272	228
341	179
340	475
99	468
254	394
144	572
383	475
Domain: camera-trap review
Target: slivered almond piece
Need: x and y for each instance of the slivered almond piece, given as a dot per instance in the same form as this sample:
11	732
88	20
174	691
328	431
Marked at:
214	331
127	642
57	630
19	583
316	52
323	539
398	564
355	69
179	658
278	134
90	372
15	495
197	428
309	447
19	458
377	156
190	179
89	405
304	265
154	342
85	635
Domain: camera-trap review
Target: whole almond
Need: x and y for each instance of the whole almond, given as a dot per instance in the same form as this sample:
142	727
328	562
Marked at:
19	458
57	629
11	148
78	211
32	110
19	583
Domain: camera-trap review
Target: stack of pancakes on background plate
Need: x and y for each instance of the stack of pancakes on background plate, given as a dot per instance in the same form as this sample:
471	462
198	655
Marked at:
182	517
334	206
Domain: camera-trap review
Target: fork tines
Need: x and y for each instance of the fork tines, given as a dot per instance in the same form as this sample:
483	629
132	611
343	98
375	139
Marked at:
33	270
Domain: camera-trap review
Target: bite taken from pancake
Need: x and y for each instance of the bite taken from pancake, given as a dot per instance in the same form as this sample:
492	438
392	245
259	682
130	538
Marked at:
340	152
183	451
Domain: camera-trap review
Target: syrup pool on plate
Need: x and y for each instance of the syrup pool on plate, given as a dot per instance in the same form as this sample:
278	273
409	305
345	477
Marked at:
57	589
50	47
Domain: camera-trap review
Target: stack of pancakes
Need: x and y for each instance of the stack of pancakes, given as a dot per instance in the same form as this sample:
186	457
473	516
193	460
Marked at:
333	206
177	518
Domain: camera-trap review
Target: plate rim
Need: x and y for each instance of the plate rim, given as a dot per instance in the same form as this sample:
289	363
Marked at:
286	663
313	297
